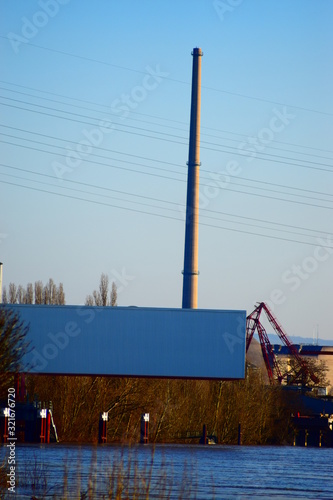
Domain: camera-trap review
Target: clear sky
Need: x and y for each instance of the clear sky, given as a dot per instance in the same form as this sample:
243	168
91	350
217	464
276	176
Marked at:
95	106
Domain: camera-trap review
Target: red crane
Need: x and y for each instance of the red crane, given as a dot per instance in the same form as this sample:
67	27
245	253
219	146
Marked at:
253	324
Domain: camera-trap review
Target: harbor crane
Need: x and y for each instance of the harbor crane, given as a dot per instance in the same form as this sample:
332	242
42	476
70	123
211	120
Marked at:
273	369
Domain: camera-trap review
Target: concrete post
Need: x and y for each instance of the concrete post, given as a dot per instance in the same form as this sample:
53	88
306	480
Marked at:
102	427
144	428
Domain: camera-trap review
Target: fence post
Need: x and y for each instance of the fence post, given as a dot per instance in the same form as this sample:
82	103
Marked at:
144	428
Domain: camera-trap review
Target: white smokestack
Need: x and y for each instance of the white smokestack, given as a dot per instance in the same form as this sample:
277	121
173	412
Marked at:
190	272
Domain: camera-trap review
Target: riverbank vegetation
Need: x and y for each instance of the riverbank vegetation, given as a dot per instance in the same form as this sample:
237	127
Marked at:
13	346
178	408
125	474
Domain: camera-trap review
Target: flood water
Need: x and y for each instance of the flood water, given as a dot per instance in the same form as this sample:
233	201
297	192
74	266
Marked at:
172	471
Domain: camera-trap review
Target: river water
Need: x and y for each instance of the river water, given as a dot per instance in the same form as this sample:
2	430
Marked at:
171	471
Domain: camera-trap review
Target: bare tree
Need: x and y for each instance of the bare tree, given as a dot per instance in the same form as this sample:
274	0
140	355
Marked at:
53	292
53	295
89	300
100	297
312	374
12	293
21	295
38	292
97	298
46	296
13	345
113	295
104	289
50	292
30	294
61	295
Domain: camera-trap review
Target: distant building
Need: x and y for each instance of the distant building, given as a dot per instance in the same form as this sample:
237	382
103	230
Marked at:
320	353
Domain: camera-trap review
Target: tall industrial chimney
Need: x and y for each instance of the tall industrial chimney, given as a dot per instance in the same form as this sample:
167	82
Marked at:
190	272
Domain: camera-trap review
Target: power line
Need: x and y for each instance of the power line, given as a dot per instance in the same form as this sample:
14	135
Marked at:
152	123
167	119
301	108
155	206
155	160
177	142
96	155
179	205
96	194
174	179
160	215
275	141
93	124
126	68
96	162
178	173
161	133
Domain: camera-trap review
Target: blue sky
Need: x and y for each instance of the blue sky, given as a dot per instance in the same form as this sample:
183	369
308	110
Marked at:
267	157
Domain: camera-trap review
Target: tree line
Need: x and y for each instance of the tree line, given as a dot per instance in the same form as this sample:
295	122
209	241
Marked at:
101	296
178	408
53	294
38	293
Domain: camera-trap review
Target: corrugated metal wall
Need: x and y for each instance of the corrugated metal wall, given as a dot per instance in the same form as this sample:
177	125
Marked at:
135	341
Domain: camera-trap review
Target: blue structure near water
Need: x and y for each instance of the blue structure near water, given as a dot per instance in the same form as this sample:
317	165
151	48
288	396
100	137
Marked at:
132	341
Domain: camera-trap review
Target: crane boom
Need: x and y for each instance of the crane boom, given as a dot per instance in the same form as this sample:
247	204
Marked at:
253	323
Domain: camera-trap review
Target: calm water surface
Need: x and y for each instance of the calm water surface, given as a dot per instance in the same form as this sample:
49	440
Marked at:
201	472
